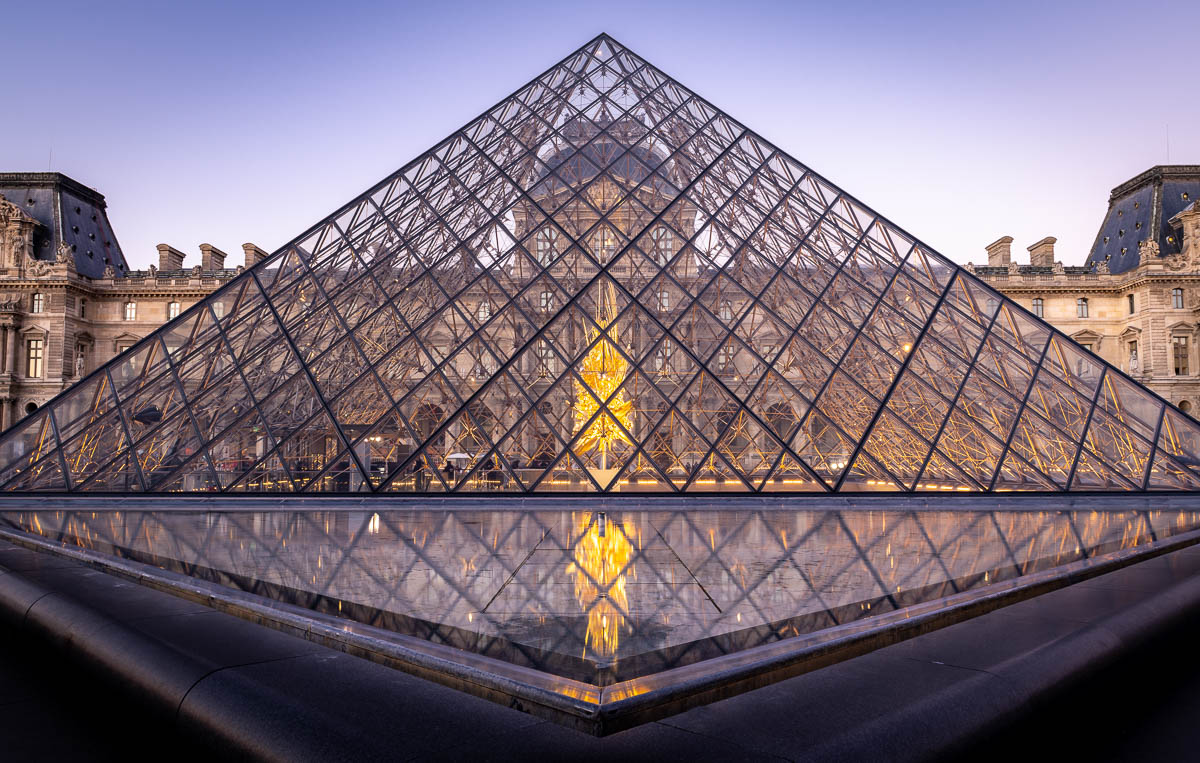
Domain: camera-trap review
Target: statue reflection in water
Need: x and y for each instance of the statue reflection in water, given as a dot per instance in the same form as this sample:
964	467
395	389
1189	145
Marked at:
601	565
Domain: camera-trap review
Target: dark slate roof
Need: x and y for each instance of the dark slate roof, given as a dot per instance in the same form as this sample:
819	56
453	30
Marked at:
1140	209
68	212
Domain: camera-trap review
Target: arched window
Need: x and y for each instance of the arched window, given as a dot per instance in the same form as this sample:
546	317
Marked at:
1081	307
131	311
547	245
606	245
172	310
1039	307
1185	406
1177	299
37	303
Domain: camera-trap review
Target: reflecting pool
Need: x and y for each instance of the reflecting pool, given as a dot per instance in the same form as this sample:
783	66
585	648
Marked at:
604	597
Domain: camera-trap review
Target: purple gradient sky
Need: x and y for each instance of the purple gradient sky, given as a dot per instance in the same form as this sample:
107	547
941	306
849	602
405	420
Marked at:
227	122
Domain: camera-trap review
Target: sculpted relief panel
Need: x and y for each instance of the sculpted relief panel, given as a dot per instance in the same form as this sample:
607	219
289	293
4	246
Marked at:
16	235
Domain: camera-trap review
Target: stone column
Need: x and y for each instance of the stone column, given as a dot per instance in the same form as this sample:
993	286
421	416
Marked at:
6	405
10	338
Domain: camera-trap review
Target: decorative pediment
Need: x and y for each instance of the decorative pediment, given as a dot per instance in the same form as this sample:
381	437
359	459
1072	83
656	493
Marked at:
1130	334
85	337
125	340
1087	336
1181	327
34	332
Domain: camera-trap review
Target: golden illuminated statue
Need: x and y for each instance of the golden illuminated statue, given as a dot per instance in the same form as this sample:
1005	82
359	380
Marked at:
603	371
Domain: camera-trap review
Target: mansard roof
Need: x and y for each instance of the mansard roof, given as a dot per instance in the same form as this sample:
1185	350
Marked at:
67	212
1140	210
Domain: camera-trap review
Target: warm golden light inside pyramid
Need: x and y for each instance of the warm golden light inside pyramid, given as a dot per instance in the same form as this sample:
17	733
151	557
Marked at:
602	371
601	566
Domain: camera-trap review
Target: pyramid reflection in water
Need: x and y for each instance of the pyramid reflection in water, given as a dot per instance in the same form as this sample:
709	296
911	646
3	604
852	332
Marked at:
604	283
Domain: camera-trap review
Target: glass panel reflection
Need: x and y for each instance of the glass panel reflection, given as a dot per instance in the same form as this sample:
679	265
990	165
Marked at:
603	597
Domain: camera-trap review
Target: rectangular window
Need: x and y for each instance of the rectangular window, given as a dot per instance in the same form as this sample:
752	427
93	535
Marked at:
1131	309
33	358
1081	307
131	311
39	303
1179	347
172	310
1133	357
1177	299
83	308
1038	309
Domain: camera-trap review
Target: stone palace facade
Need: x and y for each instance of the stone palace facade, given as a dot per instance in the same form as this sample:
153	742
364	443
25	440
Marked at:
69	302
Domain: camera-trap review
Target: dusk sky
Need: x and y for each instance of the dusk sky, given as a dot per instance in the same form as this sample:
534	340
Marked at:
227	122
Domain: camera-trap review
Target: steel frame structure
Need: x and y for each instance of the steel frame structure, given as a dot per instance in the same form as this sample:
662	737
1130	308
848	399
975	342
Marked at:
777	335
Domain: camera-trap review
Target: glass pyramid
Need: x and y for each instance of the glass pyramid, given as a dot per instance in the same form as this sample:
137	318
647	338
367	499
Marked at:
604	283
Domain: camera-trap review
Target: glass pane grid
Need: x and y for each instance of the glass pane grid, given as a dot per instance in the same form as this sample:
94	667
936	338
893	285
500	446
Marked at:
604	284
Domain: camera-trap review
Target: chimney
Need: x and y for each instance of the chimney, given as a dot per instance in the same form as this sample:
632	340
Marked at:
211	258
169	258
1000	252
1041	254
254	255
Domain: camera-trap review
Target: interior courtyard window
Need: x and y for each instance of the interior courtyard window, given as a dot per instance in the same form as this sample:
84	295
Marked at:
1038	308
33	358
545	360
1179	348
131	311
725	359
661	239
726	311
606	245
662	360
1081	307
1177	299
38	303
547	245
172	310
